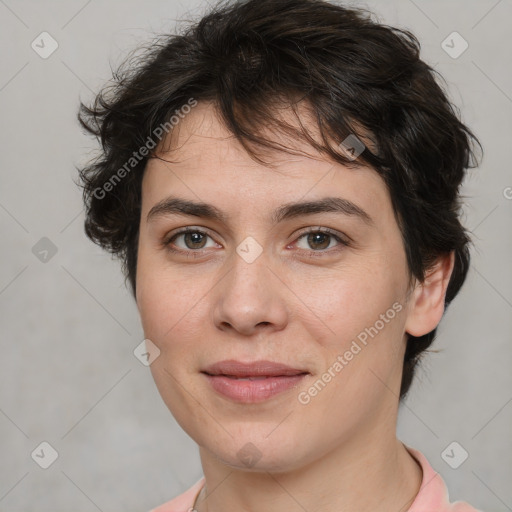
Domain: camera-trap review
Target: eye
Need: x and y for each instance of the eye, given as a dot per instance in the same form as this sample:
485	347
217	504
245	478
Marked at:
320	240
194	240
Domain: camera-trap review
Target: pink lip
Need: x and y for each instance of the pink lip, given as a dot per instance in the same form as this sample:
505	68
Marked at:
251	391
225	378
257	368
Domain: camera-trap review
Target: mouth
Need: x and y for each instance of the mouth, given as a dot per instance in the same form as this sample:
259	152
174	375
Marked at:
255	369
252	382
252	378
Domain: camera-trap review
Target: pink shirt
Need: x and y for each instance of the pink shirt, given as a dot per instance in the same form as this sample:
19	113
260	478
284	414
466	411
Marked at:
432	496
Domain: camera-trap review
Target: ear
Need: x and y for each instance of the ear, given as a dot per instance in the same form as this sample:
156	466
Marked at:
427	304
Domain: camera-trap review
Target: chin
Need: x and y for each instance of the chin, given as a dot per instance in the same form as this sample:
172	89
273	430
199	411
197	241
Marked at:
259	452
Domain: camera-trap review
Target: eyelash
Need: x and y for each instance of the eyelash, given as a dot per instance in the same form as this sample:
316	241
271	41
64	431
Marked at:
312	253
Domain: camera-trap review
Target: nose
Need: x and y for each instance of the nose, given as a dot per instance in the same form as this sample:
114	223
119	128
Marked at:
250	299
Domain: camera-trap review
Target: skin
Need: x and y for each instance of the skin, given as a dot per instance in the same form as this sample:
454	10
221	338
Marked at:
298	303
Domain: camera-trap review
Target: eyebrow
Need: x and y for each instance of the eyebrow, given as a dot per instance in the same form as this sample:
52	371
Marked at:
176	206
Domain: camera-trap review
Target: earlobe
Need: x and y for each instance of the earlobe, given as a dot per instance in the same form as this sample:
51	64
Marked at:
427	304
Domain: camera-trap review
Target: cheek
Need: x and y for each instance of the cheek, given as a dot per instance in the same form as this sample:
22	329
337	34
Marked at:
166	297
172	314
360	332
344	302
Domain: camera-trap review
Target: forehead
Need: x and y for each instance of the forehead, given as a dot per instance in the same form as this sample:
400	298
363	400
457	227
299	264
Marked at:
202	159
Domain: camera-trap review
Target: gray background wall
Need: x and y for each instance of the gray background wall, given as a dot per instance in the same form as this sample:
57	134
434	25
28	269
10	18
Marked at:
69	327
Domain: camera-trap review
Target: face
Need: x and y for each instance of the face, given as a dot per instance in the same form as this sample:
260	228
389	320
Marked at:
321	290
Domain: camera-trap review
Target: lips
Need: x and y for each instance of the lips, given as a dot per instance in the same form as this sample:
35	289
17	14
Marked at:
251	383
256	370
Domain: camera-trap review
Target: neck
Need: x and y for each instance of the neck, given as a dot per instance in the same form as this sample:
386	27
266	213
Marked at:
373	473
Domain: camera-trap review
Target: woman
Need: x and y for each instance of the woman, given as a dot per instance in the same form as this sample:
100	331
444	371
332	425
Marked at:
281	184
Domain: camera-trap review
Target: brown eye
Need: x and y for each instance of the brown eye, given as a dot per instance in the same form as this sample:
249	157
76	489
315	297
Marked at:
319	241
188	240
194	240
